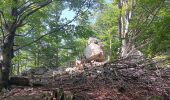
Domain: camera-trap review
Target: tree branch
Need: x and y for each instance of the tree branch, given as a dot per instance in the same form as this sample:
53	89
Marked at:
149	23
54	30
144	44
3	34
24	8
2	14
28	32
23	17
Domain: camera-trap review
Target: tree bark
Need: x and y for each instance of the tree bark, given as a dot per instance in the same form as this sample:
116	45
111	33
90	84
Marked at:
1	77
7	46
57	57
10	27
7	55
7	51
127	45
110	47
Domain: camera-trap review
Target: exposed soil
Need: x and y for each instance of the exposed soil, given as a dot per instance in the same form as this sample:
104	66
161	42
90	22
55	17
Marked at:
106	82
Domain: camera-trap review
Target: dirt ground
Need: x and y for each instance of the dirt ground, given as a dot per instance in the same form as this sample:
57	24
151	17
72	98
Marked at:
102	83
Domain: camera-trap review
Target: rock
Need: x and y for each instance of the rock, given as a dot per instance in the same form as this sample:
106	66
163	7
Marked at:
55	73
79	64
27	72
71	70
139	73
94	50
136	56
40	71
35	71
94	40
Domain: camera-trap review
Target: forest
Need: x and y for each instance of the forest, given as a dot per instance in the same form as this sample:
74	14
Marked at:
84	50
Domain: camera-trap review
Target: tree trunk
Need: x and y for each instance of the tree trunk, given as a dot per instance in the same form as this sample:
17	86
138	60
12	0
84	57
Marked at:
110	47
18	66
123	26
57	57
7	51
10	25
0	77
127	45
7	55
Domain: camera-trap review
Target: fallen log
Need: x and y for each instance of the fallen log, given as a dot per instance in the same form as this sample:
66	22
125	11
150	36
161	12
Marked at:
19	81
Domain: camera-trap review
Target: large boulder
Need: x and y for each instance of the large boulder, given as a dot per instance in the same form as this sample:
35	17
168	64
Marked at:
95	41
94	50
136	56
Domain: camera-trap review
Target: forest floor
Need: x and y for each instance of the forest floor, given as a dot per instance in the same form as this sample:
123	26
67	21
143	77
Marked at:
106	82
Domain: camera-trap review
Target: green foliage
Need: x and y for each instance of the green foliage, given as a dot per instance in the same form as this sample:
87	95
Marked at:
84	32
107	28
54	49
157	32
150	21
66	44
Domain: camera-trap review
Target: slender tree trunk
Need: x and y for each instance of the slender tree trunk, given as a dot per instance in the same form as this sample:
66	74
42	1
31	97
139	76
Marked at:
38	58
127	45
1	77
57	58
110	47
18	66
124	26
35	60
